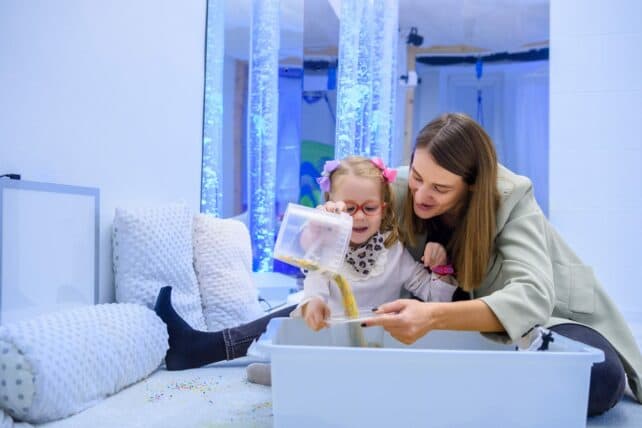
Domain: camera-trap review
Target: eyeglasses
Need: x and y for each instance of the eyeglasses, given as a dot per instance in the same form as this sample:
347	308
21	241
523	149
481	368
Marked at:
368	208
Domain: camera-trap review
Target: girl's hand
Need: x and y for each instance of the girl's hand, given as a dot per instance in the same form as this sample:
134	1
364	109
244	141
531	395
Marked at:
434	255
315	313
406	320
316	231
333	207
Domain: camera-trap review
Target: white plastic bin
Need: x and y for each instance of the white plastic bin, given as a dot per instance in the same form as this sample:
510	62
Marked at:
446	379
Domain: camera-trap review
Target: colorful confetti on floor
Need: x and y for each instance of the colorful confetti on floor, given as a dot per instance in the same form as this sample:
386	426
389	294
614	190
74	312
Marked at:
208	397
207	387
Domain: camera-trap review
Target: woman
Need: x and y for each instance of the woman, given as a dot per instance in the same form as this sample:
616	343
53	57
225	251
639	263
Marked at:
518	271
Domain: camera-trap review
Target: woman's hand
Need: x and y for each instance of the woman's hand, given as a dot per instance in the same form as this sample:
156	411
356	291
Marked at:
406	320
315	313
434	255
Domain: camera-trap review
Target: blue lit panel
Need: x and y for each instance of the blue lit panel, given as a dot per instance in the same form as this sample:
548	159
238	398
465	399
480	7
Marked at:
366	78
384	77
262	126
212	168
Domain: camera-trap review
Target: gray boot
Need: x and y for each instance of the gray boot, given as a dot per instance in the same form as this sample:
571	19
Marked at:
260	373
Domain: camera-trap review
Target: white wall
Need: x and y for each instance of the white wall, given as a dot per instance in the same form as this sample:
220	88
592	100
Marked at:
595	141
515	107
104	94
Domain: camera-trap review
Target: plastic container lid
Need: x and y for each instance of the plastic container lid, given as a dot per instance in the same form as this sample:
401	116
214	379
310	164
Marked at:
343	319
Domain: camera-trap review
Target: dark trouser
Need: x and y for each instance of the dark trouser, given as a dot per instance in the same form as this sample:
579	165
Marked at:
607	378
238	339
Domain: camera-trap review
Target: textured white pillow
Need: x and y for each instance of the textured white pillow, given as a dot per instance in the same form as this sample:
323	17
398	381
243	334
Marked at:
79	357
16	381
152	249
223	263
6	421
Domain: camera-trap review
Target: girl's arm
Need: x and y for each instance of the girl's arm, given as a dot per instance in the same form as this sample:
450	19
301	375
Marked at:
315	286
421	283
408	320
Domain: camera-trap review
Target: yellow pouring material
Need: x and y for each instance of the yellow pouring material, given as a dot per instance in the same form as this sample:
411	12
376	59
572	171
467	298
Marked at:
352	311
349	302
347	297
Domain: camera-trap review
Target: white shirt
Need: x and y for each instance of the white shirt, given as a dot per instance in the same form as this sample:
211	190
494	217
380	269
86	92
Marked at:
394	269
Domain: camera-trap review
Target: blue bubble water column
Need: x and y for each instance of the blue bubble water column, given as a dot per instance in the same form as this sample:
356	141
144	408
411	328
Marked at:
262	129
367	78
212	167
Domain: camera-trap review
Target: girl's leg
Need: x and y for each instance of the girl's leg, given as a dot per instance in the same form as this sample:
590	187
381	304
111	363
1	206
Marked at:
238	339
607	378
189	348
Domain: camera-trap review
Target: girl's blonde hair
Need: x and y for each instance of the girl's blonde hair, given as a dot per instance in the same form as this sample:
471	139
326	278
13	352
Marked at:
364	167
457	143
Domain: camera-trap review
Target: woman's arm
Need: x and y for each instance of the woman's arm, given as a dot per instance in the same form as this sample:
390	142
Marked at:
408	320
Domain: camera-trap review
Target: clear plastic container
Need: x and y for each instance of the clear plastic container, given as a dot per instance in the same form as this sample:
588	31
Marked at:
312	238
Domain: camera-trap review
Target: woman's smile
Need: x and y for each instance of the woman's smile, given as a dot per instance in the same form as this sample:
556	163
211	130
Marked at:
424	207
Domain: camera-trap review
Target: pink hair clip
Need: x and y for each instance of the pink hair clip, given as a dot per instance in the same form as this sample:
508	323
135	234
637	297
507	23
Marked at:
328	168
443	270
388	174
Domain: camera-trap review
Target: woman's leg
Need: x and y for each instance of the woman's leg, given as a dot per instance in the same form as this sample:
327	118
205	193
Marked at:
607	377
189	348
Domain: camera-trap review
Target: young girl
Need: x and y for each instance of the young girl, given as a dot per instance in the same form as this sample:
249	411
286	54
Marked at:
376	266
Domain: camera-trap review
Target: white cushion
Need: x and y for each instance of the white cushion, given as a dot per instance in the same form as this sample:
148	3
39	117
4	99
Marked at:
153	248
80	356
223	263
6	421
16	381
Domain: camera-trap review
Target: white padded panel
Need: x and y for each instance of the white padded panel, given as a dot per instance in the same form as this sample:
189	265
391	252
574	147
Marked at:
48	248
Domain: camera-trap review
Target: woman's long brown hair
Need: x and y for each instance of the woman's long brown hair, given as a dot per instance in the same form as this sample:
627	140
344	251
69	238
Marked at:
457	143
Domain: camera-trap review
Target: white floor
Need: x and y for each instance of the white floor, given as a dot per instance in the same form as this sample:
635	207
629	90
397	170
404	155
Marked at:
219	395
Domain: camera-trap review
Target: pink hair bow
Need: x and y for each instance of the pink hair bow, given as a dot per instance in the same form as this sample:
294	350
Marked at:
389	174
324	180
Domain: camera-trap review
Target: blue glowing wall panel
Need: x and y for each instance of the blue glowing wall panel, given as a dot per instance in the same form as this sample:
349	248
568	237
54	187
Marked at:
262	125
366	78
212	168
384	77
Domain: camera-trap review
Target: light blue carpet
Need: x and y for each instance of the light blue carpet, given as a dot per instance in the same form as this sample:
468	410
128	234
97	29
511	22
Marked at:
626	414
218	396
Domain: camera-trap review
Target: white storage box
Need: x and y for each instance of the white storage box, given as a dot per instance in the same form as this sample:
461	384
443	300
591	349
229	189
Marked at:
446	379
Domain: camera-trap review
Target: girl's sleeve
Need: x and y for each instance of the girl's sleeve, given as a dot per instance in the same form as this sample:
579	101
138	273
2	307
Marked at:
421	283
314	285
522	295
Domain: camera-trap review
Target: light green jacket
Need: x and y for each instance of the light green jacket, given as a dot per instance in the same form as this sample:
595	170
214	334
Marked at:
534	278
